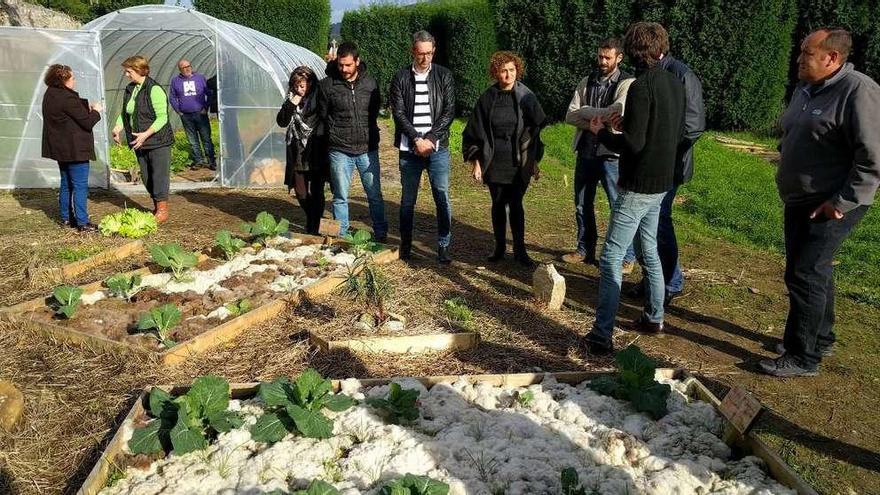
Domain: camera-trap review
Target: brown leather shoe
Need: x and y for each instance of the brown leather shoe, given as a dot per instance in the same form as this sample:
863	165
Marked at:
161	213
643	325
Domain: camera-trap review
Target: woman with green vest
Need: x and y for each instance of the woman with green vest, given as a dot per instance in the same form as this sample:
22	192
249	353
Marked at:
144	119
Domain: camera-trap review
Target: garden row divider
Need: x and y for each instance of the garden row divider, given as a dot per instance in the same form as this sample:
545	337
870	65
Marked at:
72	270
98	476
220	334
401	345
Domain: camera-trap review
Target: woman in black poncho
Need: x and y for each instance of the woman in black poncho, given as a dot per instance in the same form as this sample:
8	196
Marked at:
502	141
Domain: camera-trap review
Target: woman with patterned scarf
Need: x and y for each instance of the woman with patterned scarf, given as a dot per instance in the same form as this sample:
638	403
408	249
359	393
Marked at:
306	171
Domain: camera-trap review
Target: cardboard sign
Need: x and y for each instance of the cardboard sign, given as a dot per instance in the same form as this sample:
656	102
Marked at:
741	409
329	227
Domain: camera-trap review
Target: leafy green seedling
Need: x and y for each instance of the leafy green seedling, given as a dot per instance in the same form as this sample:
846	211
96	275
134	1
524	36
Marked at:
173	257
458	311
228	244
411	484
67	297
162	320
635	383
571	482
400	405
75	254
122	285
186	423
525	399
296	406
239	308
318	487
361	243
323	262
265	227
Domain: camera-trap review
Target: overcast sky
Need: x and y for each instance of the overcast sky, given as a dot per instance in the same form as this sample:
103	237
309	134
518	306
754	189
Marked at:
338	7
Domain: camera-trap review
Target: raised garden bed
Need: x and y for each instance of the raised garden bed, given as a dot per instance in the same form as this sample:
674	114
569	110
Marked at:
268	279
513	434
403	344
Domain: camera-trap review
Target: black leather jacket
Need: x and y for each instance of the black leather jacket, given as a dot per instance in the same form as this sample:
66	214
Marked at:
441	93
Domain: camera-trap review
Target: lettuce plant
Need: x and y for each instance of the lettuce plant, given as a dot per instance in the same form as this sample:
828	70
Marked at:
265	227
162	320
458	311
228	244
399	405
67	298
186	423
239	308
130	222
296	407
635	383
122	285
173	257
411	484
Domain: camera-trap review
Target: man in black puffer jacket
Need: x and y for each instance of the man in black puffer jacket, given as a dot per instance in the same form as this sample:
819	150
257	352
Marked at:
348	106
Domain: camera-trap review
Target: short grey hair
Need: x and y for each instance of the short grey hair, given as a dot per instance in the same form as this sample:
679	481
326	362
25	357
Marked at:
423	36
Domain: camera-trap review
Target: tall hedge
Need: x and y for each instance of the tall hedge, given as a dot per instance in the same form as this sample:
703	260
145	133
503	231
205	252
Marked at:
86	10
302	22
743	65
464	31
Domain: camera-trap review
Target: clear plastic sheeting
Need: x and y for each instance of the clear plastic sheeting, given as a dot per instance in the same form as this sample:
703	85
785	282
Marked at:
25	54
252	69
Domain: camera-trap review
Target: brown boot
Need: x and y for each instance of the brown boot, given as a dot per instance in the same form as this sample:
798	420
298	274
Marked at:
161	213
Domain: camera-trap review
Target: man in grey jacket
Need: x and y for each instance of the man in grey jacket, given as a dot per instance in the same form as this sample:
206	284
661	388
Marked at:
598	95
827	178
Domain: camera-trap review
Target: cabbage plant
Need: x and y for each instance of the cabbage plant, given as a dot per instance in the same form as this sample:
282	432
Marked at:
188	422
265	227
122	285
173	257
161	320
67	298
296	407
635	383
228	244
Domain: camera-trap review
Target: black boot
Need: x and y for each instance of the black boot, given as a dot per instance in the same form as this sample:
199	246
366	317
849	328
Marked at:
405	249
523	258
443	255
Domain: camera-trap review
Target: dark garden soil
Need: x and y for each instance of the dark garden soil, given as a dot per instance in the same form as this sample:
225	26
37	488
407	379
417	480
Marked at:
731	315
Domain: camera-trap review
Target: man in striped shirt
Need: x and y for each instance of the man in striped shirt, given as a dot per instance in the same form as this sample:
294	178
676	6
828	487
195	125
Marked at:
422	101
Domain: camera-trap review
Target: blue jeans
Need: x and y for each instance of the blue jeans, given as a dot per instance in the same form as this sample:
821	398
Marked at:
632	213
667	245
342	166
588	174
198	128
74	192
411	167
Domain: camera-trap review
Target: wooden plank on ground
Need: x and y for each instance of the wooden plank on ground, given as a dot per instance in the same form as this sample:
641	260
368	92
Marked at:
401	345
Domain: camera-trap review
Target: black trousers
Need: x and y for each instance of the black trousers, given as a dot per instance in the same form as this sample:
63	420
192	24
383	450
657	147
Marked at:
155	167
309	190
508	198
810	246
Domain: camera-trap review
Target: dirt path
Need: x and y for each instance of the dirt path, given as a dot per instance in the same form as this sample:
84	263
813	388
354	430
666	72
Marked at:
732	311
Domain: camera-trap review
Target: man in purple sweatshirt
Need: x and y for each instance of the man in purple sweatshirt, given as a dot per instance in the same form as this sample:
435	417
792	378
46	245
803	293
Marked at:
189	97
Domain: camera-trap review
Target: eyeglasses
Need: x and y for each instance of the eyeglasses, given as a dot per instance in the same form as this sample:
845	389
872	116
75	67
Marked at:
186	67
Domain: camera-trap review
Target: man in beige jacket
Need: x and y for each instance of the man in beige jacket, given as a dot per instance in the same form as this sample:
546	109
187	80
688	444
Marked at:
600	94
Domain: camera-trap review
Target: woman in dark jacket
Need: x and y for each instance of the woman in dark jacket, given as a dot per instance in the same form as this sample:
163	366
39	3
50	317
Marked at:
144	119
67	138
503	141
306	170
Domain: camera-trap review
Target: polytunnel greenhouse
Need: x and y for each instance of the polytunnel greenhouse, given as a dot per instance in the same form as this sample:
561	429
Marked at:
251	70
